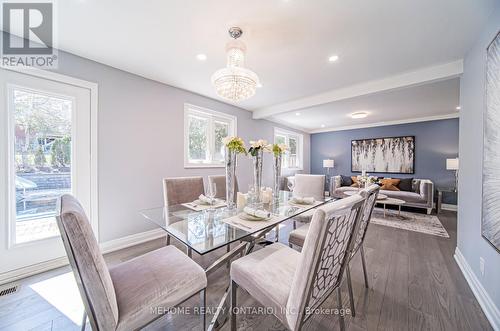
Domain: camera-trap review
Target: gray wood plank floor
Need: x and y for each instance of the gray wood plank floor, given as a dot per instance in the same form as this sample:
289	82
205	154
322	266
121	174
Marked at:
415	284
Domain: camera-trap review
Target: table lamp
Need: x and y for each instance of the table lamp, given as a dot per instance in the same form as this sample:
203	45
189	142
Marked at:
452	164
328	164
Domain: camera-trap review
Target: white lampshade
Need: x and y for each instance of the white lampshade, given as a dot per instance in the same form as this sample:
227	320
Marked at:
452	164
328	163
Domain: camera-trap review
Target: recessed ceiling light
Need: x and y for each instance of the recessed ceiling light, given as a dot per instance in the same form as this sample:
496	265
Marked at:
298	114
458	108
360	114
259	85
333	58
201	57
322	125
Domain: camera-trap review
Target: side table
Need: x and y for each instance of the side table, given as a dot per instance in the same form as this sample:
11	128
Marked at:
440	191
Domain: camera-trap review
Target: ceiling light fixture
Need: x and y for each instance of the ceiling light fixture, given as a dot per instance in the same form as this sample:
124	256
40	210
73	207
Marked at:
297	114
360	114
259	85
322	125
235	82
333	58
201	57
458	108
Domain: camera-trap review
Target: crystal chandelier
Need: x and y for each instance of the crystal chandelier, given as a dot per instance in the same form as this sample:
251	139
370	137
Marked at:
235	82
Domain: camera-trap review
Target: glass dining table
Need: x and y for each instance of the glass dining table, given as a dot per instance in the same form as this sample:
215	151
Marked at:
204	231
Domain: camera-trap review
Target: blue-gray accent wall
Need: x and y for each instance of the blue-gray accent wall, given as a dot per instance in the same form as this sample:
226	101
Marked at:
435	141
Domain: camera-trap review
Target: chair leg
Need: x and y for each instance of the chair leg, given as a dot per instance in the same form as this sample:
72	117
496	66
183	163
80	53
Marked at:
294	224
168	239
364	265
349	285
203	304
232	314
341	316
189	252
84	320
277	230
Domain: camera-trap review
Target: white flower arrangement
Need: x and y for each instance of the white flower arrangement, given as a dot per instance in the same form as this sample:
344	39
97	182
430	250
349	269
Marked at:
235	144
256	145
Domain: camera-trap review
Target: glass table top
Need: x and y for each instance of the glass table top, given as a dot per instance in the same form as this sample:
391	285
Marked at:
205	231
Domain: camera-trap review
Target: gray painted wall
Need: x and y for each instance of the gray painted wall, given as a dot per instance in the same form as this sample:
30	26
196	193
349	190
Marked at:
141	142
435	141
472	92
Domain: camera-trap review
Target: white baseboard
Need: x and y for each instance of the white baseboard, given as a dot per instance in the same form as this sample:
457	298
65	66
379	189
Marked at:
446	206
132	240
489	308
106	247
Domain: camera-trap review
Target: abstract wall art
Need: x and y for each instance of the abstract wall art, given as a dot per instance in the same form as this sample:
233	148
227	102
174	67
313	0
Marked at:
490	224
389	155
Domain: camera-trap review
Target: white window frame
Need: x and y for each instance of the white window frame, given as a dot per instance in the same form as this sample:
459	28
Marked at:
212	116
300	146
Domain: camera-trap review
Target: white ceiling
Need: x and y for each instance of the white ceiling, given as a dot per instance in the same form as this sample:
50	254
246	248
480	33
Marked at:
416	103
288	41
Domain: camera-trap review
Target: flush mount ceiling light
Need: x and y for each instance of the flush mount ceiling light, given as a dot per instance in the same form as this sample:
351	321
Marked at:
235	82
333	58
201	57
458	107
297	114
359	114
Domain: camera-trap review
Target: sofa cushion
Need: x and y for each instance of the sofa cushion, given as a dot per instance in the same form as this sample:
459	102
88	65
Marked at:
410	197
345	180
406	184
390	184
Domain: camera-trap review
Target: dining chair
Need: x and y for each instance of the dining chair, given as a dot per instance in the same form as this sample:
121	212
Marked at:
178	190
308	186
298	236
294	283
134	293
220	184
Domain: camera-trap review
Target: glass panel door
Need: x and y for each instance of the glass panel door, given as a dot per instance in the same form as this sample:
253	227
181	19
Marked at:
41	160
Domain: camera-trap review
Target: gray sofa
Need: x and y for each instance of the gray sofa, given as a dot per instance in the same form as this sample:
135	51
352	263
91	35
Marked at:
422	195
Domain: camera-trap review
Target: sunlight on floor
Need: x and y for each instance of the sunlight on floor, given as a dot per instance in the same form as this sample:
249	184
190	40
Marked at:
62	293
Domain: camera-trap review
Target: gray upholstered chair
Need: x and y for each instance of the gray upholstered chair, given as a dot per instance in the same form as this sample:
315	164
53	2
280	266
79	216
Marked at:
125	297
220	184
294	283
297	237
178	190
308	186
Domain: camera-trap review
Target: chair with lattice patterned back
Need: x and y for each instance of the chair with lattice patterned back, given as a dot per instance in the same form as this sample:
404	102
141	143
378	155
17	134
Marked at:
295	284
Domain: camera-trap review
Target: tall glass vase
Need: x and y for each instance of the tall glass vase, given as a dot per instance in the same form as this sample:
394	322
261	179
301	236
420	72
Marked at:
230	161
257	173
277	176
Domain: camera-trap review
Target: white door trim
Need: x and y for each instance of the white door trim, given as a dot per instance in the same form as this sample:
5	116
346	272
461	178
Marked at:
94	105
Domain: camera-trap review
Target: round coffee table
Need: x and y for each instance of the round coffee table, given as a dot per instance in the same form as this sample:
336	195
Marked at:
380	196
392	201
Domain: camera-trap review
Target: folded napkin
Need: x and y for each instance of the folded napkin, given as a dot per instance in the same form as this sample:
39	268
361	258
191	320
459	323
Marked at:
257	212
302	201
206	199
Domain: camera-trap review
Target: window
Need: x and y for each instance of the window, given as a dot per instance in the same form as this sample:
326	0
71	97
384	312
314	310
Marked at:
204	130
292	159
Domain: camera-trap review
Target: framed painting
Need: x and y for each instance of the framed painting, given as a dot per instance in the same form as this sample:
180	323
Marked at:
490	221
384	155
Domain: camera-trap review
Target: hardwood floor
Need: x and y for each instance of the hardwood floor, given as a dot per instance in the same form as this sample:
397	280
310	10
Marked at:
414	281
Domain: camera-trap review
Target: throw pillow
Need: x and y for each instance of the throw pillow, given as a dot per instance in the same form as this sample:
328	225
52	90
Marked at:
345	180
416	186
405	184
355	182
390	184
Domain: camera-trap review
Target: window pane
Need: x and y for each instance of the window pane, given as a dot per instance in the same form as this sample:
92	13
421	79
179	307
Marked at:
198	128
221	131
292	160
42	160
280	139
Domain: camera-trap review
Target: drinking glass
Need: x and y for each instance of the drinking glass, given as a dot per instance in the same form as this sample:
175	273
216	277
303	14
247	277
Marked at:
289	183
211	193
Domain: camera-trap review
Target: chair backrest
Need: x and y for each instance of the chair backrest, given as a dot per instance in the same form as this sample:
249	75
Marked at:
324	257
91	273
220	184
177	190
309	186
370	195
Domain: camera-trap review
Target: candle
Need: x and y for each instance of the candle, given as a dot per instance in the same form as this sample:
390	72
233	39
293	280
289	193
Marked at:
241	200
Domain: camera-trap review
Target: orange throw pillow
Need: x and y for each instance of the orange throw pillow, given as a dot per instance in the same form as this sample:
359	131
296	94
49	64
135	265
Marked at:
355	182
390	184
